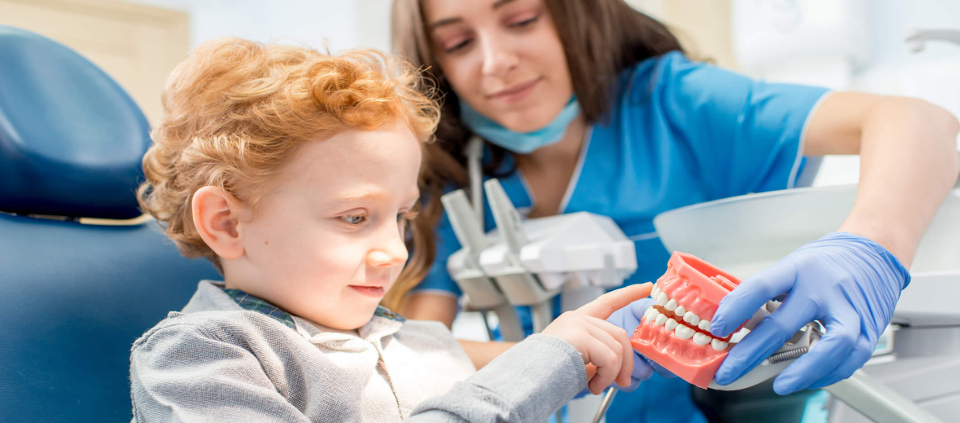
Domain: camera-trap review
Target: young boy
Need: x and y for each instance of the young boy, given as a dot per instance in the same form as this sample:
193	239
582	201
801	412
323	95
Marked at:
295	172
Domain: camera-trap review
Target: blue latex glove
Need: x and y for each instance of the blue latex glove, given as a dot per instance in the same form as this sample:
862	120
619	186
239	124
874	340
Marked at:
848	282
628	318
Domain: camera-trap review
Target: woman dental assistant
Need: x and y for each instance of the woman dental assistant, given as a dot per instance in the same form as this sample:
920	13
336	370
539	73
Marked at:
588	105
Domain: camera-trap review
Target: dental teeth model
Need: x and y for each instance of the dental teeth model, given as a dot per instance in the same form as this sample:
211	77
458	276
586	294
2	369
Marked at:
675	332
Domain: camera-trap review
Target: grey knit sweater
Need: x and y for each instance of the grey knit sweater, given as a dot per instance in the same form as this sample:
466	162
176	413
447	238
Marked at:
217	361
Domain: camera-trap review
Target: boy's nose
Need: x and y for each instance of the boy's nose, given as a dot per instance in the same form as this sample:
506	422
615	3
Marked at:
390	251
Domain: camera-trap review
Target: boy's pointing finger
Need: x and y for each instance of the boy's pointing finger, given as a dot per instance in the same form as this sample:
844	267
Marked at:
606	304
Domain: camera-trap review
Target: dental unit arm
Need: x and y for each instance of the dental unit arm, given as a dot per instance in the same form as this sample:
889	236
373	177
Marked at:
528	262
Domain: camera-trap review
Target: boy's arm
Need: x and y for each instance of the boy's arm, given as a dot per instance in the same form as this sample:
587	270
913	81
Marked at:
178	373
526	383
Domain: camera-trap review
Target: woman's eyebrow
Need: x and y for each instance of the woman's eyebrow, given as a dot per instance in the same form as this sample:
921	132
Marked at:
450	21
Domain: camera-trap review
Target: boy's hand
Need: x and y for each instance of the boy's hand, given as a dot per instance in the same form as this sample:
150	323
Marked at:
598	341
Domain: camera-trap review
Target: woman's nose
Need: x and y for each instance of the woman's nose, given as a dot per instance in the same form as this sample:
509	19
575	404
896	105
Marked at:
498	56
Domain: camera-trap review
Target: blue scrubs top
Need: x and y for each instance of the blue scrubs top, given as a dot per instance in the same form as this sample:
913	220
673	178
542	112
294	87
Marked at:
680	133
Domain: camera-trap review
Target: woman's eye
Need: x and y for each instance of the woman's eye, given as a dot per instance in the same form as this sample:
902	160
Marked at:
408	215
457	46
524	22
354	219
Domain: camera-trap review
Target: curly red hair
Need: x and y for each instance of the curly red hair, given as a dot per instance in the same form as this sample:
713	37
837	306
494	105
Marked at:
236	110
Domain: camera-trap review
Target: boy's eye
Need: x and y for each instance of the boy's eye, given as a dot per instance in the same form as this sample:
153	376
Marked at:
354	219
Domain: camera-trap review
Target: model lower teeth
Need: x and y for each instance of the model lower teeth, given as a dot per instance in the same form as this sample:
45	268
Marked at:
684	331
701	339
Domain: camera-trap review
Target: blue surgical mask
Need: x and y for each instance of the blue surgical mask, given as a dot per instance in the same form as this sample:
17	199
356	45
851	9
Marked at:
520	142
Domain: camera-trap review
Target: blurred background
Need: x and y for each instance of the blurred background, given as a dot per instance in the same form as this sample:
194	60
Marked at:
841	44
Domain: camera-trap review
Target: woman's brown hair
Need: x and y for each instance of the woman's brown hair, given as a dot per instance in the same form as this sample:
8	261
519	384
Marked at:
600	39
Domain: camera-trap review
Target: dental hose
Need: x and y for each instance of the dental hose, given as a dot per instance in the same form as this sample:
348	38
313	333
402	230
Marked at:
510	328
542	314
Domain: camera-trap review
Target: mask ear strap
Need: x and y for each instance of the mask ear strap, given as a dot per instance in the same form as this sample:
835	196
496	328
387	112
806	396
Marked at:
474	153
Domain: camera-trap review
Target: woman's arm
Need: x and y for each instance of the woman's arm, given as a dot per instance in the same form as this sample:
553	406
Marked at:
908	162
430	306
849	280
443	308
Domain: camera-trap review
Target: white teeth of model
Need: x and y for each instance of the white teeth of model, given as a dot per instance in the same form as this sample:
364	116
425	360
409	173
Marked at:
650	314
661	299
704	324
656	292
718	345
691	318
701	339
671	305
670	324
684	332
680	311
661	319
739	335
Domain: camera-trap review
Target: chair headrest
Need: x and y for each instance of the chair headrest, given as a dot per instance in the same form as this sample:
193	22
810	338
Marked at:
71	139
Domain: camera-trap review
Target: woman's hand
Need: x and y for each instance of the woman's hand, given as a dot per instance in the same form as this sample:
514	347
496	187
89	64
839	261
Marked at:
599	342
848	282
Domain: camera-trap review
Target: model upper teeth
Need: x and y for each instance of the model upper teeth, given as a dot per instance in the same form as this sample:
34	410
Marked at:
650	314
657	317
661	319
671	324
671	305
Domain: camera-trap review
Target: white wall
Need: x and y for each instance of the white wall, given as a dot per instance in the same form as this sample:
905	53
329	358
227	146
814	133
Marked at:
882	64
316	23
879	63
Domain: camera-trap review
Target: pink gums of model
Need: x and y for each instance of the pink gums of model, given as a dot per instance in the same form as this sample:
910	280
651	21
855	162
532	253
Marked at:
675	332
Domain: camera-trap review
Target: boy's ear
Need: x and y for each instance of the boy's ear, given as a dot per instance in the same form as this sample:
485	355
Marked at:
216	215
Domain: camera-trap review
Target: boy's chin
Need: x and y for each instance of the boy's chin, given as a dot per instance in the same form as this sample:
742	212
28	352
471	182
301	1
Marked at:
353	319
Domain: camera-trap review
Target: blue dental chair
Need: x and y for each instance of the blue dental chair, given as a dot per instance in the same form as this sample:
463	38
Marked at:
73	296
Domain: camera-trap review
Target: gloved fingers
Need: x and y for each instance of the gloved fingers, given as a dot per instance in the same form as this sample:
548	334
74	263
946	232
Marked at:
637	308
740	304
769	335
641	372
835	347
660	369
642	367
861	353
